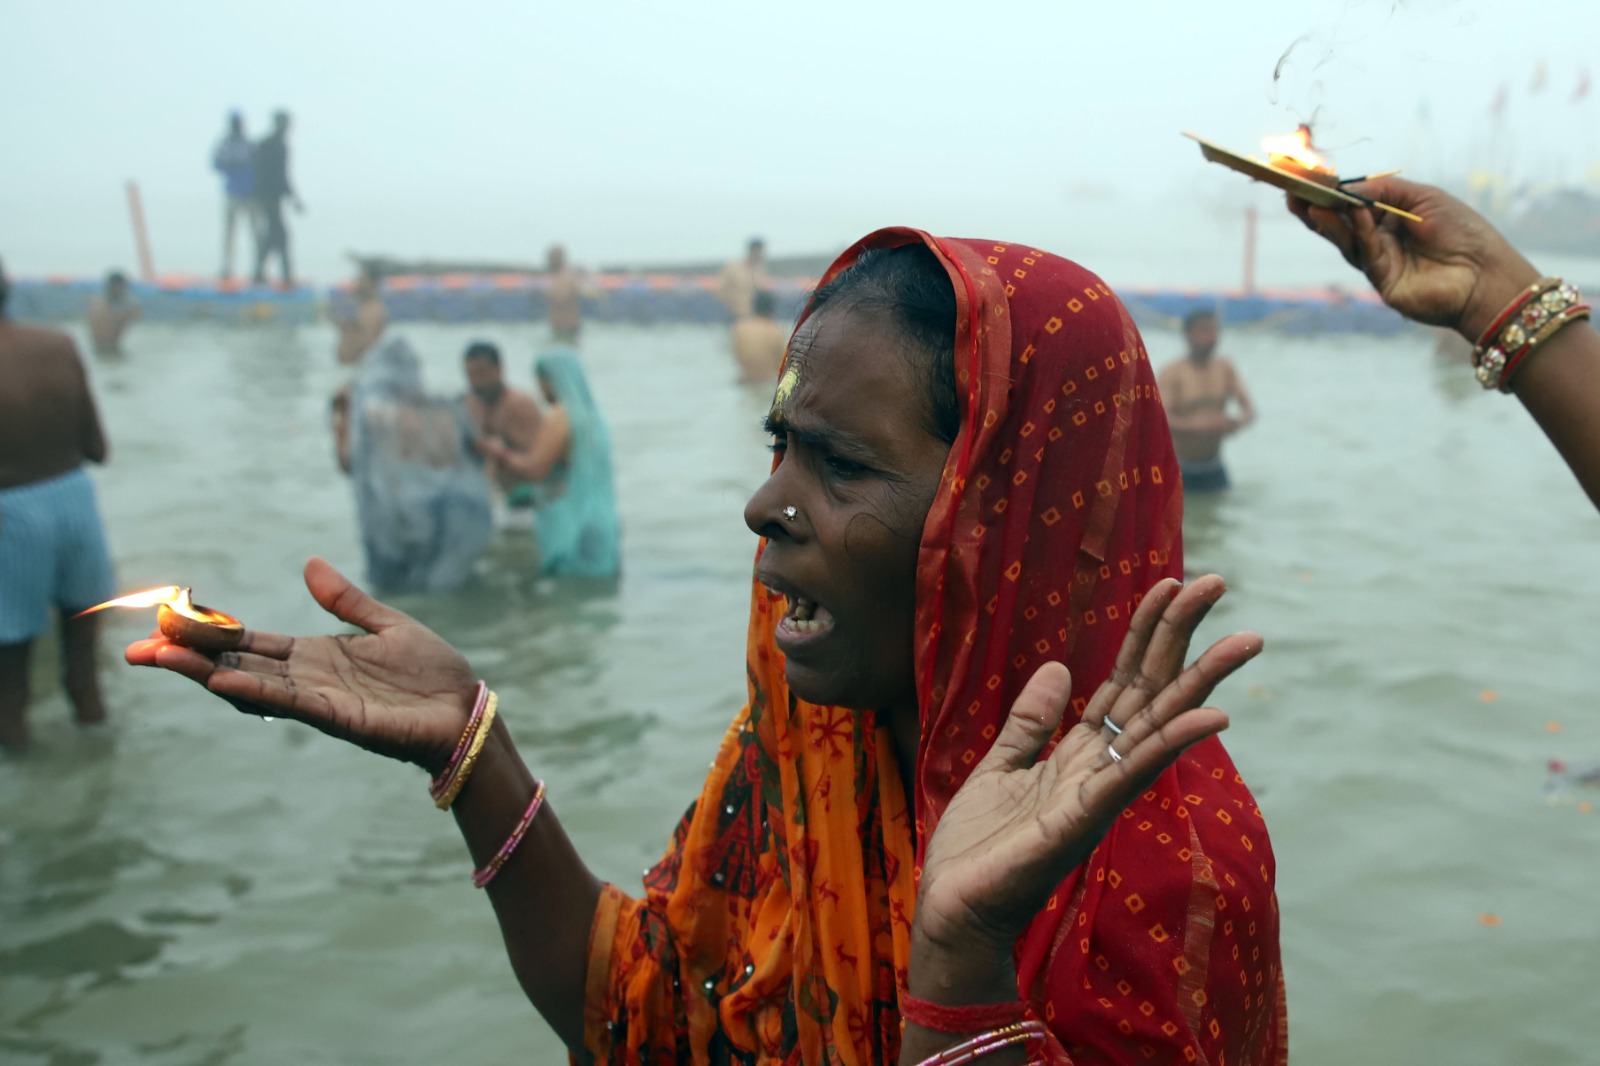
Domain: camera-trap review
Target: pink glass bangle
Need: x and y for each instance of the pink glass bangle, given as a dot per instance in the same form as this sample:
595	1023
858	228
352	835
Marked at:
1031	1033
482	877
437	786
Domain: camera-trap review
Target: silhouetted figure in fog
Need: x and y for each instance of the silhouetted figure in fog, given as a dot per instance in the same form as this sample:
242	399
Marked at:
358	333
111	313
743	278
52	547
758	341
565	298
234	159
273	187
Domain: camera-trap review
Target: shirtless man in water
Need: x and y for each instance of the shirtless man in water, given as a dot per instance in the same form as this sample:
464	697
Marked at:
1198	391
52	547
507	420
759	341
358	334
565	298
110	315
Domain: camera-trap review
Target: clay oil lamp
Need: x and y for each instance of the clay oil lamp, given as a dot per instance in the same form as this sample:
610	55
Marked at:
183	621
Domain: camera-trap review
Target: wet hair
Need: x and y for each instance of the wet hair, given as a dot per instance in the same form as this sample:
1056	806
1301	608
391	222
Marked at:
756	244
909	283
5	288
483	350
1198	315
765	305
116	277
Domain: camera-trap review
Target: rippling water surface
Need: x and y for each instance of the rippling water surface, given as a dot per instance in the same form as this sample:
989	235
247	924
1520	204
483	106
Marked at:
194	886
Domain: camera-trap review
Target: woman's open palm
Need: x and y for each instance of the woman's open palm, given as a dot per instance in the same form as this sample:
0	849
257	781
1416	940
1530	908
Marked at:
1021	824
397	689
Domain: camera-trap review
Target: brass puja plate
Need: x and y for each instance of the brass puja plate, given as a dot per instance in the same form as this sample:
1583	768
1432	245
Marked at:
1306	189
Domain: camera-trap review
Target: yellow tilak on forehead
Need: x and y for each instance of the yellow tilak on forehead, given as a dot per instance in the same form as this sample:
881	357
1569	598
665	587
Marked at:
786	387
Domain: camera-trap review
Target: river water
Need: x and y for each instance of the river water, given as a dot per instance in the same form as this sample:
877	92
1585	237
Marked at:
193	886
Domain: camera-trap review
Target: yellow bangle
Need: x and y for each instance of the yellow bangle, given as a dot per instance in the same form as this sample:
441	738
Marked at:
464	771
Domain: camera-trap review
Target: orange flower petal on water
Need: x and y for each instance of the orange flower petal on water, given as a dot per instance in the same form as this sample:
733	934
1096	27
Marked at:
1490	920
1488	695
1585	807
1552	727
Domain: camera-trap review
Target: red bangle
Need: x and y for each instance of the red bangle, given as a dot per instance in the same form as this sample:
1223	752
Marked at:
968	1019
1537	288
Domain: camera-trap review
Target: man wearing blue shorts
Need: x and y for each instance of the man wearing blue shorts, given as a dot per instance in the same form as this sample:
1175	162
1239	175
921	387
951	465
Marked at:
52	547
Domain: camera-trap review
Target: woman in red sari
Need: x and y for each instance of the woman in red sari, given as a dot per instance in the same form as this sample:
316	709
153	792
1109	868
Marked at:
919	804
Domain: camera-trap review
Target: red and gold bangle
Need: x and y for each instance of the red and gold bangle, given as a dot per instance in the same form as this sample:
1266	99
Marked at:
482	877
1550	329
1538	288
1531	320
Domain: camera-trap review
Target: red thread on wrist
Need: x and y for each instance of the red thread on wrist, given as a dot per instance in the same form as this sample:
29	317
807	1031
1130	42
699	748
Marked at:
967	1019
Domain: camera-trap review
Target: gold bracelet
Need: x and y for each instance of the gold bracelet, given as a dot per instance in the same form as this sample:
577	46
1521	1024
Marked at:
464	771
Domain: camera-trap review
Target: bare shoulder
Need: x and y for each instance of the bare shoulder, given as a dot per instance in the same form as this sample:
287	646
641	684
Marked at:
36	341
522	408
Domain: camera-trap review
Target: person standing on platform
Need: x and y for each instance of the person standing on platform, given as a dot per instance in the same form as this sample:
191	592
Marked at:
52	546
1201	392
110	315
234	159
564	295
272	188
743	278
759	342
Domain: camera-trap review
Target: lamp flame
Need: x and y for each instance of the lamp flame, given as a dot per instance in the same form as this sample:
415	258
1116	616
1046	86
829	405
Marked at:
173	597
1295	149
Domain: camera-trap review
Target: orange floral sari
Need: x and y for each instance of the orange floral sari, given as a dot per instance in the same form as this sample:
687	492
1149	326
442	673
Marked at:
776	927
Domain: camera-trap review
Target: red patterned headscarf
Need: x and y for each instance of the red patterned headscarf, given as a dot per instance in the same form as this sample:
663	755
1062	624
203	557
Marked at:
776	927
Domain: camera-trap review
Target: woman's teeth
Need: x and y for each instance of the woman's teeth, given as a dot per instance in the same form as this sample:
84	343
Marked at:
801	618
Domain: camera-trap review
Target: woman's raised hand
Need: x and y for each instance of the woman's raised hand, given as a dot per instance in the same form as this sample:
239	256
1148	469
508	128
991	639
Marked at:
1021	824
397	689
1452	269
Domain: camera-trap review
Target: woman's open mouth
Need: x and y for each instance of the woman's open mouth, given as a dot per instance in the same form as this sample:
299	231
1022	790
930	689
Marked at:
803	623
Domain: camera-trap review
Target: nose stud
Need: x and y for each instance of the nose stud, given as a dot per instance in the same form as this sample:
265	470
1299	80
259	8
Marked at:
790	514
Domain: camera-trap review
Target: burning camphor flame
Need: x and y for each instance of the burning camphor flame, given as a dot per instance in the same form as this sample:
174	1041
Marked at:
1295	148
173	597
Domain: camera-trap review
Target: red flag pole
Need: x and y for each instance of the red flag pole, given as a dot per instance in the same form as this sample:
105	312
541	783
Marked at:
141	236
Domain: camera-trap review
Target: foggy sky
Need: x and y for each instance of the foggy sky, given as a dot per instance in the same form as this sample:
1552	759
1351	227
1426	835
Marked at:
675	131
